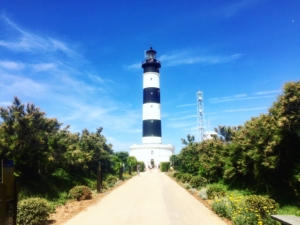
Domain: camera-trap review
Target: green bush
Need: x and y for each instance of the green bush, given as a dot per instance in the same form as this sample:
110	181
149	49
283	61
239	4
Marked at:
142	165
33	211
198	181
111	179
203	194
215	191
186	178
262	205
178	177
175	174
221	208
164	166
104	185
80	193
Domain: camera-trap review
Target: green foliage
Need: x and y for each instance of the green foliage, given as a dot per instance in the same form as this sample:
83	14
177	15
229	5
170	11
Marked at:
39	146
116	163
216	191
132	163
237	208
221	208
174	161
80	193
164	166
111	180
122	155
226	133
105	185
262	205
33	211
188	159
142	165
203	193
186	178
189	141
198	182
178	176
175	174
263	154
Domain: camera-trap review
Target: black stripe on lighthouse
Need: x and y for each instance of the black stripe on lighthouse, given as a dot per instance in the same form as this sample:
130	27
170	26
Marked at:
151	95
151	128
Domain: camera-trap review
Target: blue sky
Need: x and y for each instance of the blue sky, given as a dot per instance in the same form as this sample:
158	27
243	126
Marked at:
80	61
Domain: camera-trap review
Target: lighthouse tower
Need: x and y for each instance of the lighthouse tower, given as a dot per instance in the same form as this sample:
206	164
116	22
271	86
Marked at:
151	99
152	151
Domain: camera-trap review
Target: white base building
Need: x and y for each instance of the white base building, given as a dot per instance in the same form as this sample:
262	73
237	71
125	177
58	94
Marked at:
152	154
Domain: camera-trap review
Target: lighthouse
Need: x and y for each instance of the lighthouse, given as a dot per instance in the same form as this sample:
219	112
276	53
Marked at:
151	151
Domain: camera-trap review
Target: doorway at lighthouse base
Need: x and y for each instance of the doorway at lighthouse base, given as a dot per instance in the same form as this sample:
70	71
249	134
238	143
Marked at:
152	153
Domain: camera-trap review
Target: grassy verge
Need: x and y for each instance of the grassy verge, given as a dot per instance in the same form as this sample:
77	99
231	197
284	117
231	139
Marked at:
243	206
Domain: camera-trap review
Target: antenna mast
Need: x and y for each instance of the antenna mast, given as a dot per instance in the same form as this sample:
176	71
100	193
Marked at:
200	116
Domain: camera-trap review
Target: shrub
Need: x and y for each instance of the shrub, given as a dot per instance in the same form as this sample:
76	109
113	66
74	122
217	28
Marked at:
192	190
198	182
178	177
221	208
262	205
175	174
164	166
104	185
142	165
111	180
33	211
186	186
186	177
126	176
80	193
203	194
215	191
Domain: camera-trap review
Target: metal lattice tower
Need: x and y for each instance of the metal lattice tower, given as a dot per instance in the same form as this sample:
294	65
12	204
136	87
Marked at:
200	116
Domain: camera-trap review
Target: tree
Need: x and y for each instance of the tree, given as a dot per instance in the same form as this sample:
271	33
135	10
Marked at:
190	140
25	132
122	155
226	132
132	163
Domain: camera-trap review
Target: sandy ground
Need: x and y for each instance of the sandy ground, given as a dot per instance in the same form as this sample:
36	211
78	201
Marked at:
151	198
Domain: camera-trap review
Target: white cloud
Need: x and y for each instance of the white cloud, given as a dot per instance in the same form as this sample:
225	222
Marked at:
267	92
11	65
238	6
3	104
193	57
185	105
29	42
239	110
179	125
11	84
228	99
44	66
134	66
184	117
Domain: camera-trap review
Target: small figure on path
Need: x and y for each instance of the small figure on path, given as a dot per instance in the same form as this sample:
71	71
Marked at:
138	169
149	168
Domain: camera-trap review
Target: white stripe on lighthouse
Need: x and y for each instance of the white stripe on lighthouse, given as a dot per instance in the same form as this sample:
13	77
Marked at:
151	79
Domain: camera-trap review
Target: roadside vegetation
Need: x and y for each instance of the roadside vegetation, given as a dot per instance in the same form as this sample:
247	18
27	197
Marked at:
251	171
50	160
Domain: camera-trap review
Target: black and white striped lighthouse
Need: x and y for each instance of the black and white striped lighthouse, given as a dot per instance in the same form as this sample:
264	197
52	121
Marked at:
151	151
151	99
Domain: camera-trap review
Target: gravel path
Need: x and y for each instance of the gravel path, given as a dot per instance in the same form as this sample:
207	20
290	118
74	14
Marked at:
151	198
